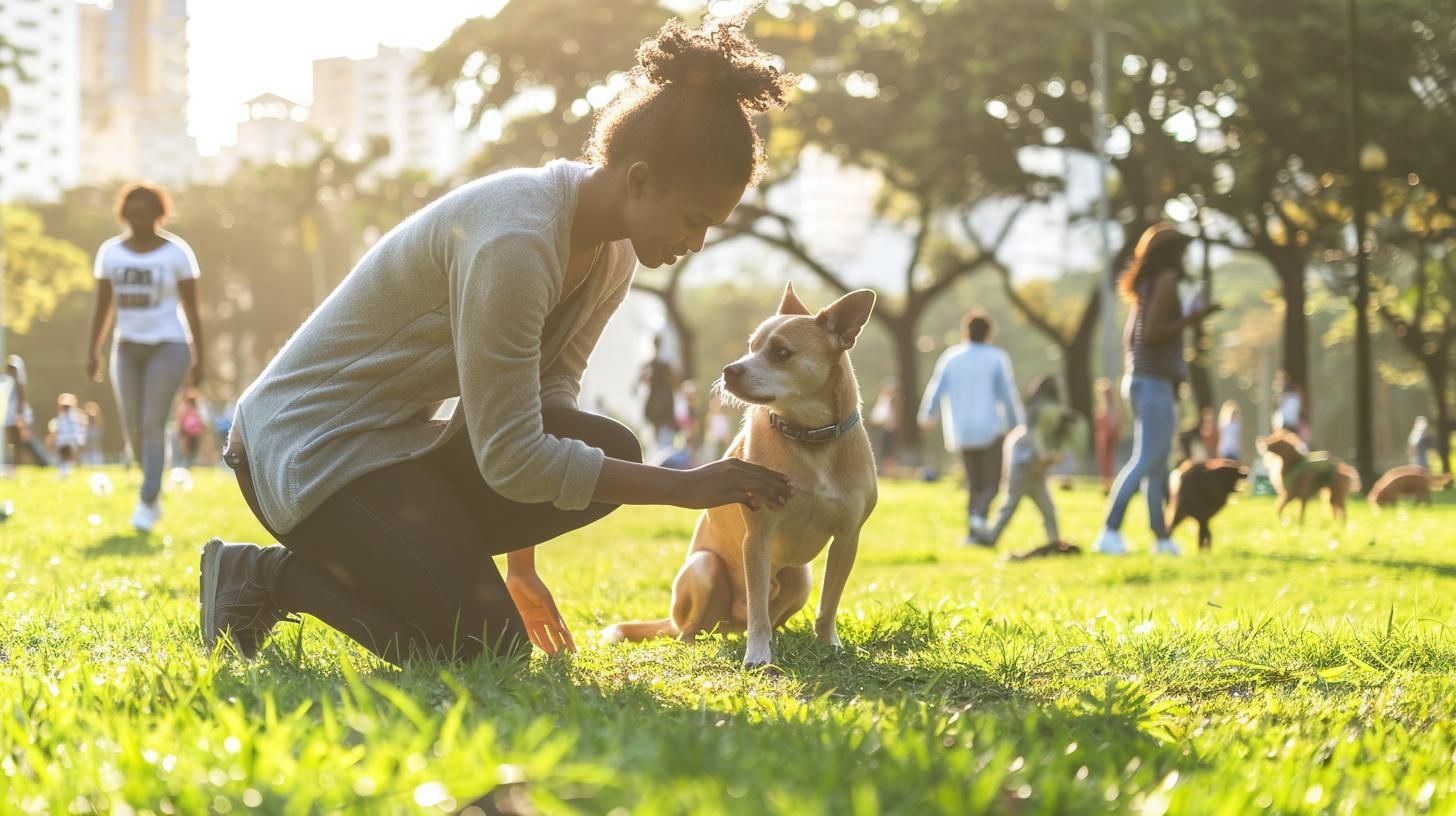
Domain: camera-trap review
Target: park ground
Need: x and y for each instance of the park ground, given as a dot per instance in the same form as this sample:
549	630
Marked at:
1287	671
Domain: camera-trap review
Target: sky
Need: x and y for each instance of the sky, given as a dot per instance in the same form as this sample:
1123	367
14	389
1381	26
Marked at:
241	48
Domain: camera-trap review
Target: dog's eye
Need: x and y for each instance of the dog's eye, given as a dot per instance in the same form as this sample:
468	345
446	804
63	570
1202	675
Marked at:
782	354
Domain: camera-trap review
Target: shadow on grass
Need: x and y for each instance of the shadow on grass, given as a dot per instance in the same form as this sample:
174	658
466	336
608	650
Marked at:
892	702
132	544
1444	570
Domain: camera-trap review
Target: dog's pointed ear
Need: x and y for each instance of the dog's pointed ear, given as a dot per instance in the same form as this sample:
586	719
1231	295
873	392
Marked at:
791	305
844	318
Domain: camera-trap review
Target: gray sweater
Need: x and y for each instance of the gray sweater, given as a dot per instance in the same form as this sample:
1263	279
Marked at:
452	302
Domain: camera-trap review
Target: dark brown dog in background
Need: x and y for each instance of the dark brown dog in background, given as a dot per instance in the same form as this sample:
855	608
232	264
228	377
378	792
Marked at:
1407	481
1202	489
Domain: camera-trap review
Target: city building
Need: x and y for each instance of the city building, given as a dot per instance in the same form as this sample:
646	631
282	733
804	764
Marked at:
40	131
357	100
133	78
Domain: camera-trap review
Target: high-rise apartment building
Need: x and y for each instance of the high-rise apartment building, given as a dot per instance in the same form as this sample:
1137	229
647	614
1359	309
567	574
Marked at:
40	130
134	92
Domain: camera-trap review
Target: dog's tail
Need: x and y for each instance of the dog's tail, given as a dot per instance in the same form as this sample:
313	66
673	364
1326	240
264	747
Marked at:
639	630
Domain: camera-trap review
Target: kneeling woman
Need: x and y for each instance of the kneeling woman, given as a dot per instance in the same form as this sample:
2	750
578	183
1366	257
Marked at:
497	294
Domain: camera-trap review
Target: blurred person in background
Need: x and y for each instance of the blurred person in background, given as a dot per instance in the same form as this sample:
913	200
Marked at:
19	418
1230	432
146	281
1107	431
1155	365
885	419
973	385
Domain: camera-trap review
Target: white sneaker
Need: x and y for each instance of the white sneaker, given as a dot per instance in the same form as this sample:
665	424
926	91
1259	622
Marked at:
1110	543
1166	546
978	524
146	516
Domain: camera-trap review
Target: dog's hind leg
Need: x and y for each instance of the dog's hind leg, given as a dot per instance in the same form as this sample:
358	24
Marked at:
791	592
1205	535
702	597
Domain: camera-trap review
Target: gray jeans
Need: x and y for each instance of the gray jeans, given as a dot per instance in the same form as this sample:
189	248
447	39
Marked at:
146	378
1027	479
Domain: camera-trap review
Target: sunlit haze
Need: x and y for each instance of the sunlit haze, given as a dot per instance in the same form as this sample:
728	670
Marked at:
238	50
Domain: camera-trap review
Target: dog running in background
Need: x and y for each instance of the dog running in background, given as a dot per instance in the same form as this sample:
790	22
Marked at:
1300	475
1407	481
1201	490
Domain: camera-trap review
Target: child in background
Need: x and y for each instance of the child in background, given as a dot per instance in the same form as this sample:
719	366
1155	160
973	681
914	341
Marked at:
1032	449
1230	433
95	425
190	428
68	433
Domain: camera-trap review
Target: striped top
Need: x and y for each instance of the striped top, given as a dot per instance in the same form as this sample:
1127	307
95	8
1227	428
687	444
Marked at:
1144	359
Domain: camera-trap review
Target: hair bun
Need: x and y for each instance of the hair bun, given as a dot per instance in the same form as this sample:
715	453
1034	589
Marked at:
714	59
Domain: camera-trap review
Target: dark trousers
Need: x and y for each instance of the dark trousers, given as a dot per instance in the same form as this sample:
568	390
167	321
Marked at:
983	477
400	558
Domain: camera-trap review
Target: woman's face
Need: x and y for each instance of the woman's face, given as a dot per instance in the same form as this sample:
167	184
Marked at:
666	221
140	213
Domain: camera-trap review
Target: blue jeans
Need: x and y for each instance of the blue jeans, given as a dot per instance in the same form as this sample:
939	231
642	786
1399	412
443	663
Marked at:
1154	414
146	378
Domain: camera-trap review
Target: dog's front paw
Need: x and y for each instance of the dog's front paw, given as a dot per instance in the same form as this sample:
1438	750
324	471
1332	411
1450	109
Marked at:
828	634
757	655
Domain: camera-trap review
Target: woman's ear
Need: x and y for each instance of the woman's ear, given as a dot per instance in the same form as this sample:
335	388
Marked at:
639	179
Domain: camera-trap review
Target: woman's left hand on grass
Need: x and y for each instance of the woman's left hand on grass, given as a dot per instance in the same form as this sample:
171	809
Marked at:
543	622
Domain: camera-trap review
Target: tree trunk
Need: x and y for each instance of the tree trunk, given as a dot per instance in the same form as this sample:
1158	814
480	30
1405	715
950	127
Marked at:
687	338
907	366
1438	375
1077	360
1289	264
1198	377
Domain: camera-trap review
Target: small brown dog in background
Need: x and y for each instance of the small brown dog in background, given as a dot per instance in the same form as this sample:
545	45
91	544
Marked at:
1202	489
1407	481
1299	474
749	569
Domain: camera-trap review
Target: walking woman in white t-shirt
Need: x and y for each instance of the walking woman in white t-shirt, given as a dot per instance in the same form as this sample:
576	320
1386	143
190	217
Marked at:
147	279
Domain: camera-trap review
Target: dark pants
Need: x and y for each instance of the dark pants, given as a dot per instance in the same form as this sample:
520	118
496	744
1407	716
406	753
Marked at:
400	558
983	477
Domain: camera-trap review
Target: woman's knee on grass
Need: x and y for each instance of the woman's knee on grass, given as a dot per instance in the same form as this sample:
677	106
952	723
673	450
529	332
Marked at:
612	437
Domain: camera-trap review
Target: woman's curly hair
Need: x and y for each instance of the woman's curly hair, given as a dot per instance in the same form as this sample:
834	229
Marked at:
688	105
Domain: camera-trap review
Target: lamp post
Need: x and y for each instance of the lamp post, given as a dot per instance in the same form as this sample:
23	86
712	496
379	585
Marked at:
1364	158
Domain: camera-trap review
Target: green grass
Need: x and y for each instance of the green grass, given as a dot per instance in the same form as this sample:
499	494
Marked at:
1285	672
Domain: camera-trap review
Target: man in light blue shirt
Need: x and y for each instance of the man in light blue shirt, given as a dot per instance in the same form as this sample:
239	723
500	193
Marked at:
974	384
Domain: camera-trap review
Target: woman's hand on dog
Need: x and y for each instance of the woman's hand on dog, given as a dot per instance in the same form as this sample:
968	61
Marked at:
734	481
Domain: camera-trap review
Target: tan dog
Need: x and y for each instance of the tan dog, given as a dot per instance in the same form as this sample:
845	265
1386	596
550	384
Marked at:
749	570
1407	481
1299	474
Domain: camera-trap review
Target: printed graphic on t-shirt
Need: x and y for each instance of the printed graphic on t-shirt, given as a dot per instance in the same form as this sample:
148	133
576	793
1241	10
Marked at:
137	287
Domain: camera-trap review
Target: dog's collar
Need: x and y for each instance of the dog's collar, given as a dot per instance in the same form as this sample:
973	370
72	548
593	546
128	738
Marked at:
824	434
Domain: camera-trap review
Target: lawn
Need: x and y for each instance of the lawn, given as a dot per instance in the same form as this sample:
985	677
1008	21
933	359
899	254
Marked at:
1288	671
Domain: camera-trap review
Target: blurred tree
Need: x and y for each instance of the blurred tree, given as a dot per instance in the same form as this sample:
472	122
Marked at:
40	269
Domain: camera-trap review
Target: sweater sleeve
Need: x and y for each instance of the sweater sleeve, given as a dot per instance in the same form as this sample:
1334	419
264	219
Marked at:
561	383
499	298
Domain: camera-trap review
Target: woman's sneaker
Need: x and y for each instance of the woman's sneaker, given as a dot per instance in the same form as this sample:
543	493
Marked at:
236	603
1166	546
146	515
1110	543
